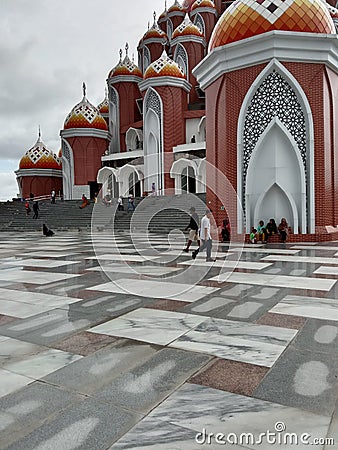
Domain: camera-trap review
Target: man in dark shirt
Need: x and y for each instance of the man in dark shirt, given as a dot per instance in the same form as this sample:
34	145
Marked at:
193	227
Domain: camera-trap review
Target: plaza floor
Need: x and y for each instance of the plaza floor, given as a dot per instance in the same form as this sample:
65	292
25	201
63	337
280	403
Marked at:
131	345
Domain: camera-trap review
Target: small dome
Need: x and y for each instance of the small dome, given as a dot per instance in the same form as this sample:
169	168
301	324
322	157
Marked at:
247	18
125	67
155	32
103	107
187	28
39	157
176	7
164	67
85	115
202	4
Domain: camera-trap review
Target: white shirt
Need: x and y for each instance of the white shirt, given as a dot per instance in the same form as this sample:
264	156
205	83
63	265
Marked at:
205	224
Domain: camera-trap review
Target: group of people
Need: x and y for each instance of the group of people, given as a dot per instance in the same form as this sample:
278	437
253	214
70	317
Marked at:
263	232
35	207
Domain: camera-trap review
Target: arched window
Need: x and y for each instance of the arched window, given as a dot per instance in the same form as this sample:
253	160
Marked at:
188	181
199	22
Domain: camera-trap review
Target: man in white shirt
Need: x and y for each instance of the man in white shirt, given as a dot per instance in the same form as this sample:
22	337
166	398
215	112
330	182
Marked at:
205	237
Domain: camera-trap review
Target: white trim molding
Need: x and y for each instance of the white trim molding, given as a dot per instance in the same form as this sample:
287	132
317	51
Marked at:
84	132
165	81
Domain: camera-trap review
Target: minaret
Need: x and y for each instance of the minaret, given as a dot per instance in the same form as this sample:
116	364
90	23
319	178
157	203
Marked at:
165	99
123	90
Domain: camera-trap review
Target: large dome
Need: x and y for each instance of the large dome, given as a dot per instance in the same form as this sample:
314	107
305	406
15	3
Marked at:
247	18
39	157
85	115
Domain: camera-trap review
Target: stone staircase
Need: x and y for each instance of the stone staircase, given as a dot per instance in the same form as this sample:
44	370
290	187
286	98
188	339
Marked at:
156	214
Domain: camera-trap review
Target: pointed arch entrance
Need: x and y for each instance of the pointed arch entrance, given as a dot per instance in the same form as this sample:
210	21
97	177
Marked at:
275	183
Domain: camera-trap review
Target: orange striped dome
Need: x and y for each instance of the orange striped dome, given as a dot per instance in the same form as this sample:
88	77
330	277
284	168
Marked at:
103	107
176	7
164	67
247	18
202	4
187	28
125	67
155	32
85	115
39	157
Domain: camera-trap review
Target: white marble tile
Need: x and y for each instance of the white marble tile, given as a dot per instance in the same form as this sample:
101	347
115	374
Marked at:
14	349
29	276
222	412
36	298
301	259
277	251
317	284
315	307
238	341
150	325
39	263
312	247
117	257
251	265
21	310
136	269
147	288
50	254
40	365
10	382
326	270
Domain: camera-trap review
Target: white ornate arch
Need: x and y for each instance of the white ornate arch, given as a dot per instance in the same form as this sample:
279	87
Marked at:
102	178
123	177
178	167
297	120
202	129
146	58
199	22
153	141
114	119
134	139
181	57
67	170
256	174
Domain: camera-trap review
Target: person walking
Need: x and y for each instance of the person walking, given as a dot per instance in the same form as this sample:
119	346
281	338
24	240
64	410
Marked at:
193	229
52	197
36	210
205	237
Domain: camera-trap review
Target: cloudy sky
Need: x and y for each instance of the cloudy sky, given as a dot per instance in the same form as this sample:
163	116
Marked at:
47	49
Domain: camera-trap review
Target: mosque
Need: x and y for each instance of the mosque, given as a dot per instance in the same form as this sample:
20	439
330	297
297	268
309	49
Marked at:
249	87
